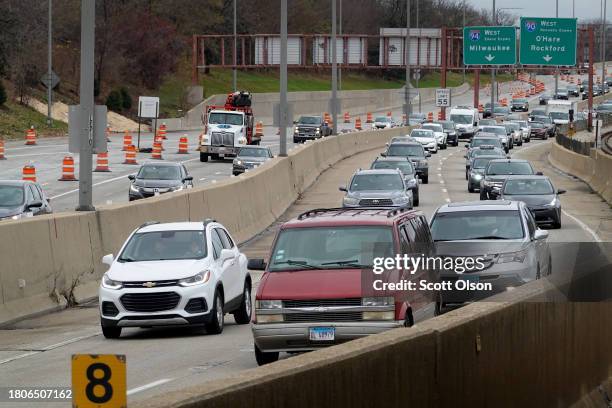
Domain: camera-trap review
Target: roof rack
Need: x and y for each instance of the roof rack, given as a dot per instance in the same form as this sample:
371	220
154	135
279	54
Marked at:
390	211
146	224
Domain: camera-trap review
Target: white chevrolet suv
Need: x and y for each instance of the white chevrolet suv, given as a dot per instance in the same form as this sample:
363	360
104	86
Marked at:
183	273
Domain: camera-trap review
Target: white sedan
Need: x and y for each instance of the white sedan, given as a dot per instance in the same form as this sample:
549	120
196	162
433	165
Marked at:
426	138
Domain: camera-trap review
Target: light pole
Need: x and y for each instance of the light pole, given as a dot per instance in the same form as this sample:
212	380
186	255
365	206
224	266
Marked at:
49	65
493	69
282	106
603	44
407	101
342	40
334	95
557	70
234	73
418	77
463	27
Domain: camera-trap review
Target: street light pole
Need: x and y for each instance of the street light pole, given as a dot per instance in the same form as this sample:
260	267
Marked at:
234	73
603	44
557	71
464	27
407	101
418	78
282	108
342	40
334	95
49	65
493	69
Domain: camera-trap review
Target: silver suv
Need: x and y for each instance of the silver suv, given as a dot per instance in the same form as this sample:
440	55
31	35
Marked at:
376	188
503	234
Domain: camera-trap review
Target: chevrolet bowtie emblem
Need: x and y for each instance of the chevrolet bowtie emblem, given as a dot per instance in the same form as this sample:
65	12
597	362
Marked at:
148	284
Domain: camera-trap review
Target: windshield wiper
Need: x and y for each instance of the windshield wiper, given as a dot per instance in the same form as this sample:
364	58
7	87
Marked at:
297	263
353	262
126	259
489	237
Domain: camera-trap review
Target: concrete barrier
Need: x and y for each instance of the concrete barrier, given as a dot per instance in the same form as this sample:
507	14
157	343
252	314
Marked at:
525	348
54	260
595	170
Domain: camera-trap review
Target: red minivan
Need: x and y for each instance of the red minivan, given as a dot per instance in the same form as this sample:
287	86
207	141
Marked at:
317	289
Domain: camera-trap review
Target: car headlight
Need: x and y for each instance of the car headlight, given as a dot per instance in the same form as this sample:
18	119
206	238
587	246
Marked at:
238	162
350	201
378	301
411	182
295	130
488	183
268	304
403	199
134	188
388	315
108	283
518	256
477	176
197	279
17	216
269	318
553	202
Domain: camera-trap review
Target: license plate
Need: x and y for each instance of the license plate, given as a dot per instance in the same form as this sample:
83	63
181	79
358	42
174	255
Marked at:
322	333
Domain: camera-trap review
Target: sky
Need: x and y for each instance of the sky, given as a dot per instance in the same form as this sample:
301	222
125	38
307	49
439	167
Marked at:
585	9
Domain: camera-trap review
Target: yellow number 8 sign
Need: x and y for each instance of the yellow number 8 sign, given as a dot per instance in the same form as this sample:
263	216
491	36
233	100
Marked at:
98	380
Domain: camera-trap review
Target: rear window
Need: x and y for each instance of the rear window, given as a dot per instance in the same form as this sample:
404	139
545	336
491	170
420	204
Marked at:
486	142
506	168
405	150
421	133
331	247
379	182
468	225
494	129
528	187
404	166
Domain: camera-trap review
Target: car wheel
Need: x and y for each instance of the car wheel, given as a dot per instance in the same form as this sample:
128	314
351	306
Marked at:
425	179
409	319
111	332
265	358
416	200
203	157
483	195
528	140
295	141
243	314
214	157
215	325
557	223
470	188
466	175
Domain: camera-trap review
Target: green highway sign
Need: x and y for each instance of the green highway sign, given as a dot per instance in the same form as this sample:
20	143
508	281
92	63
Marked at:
548	41
489	45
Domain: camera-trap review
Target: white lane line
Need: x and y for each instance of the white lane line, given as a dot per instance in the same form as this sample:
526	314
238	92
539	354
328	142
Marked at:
583	226
439	169
51	347
202	179
149	385
444	190
447	200
442	182
32	154
94	185
20	356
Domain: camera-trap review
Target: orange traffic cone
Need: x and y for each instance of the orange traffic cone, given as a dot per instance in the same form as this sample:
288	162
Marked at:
440	115
259	129
2	157
430	117
67	169
157	151
389	114
130	155
30	139
102	163
347	117
358	124
162	131
369	117
183	147
127	141
29	173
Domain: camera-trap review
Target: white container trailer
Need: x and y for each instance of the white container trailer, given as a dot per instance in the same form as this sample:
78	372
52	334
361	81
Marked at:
267	50
425	47
349	50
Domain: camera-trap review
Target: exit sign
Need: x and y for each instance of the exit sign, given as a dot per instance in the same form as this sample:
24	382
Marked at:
548	41
489	45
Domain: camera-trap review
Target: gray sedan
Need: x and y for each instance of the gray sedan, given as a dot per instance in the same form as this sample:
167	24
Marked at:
377	188
250	157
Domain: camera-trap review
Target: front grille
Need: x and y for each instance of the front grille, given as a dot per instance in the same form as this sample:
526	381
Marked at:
322	302
376	201
157	284
324	317
109	309
222	139
306	131
150	302
196	305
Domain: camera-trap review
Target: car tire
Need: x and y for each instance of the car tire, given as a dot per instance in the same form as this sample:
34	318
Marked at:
214	157
470	188
295	141
409	319
483	195
557	224
264	358
416	201
242	315
203	157
111	332
549	265
528	140
466	175
425	179
215	325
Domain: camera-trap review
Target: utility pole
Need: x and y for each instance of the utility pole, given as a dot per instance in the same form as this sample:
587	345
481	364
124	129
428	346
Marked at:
282	117
464	27
418	67
342	40
234	73
407	100
334	96
493	69
603	44
49	65
86	87
557	70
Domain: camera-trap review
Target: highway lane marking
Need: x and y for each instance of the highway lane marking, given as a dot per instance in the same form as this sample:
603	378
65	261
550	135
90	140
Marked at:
149	385
51	347
444	190
32	154
448	200
583	226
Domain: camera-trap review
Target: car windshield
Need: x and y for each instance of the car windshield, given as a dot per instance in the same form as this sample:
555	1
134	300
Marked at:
421	133
467	225
543	119
153	172
218	118
500	109
505	168
382	119
404	166
447	125
164	245
604	107
330	247
483	152
434	127
559	115
486	142
481	162
528	187
253	152
376	182
405	150
11	196
512	126
310	120
538	113
463	119
522	123
519	101
498	130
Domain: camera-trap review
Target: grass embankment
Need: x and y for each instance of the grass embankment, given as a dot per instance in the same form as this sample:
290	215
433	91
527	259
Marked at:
15	119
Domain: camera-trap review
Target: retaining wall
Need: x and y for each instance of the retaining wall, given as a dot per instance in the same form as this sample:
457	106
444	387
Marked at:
58	256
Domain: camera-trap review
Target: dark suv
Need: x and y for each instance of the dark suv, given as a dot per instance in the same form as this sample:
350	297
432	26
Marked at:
158	178
310	127
497	171
319	287
413	151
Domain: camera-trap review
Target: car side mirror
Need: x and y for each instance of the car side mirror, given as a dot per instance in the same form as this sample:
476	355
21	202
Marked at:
540	234
386	144
226	254
465	156
561	191
295	122
539	173
383	154
132	177
108	259
35	204
467	145
343	188
188	178
256	264
427	154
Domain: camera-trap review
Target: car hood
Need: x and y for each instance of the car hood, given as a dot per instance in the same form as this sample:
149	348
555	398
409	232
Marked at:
478	247
307	126
224	128
374	194
155	270
311	284
252	159
498	177
531	200
424	140
10	211
157	183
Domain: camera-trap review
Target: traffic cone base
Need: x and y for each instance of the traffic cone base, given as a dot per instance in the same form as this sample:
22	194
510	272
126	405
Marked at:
130	155
102	163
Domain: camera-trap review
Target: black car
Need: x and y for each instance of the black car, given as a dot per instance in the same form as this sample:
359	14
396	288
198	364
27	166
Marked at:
476	171
519	105
404	165
413	151
562	93
451	133
573	90
539	194
250	157
544	98
487	109
19	199
310	127
158	178
498	171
